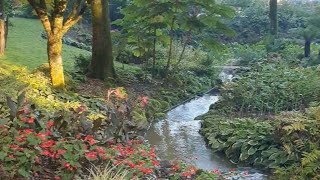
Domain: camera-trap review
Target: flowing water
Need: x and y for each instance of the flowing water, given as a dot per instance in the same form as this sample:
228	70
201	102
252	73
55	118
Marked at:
177	136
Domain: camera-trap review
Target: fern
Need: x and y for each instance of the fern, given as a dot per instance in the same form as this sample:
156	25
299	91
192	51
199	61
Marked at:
299	144
309	158
296	126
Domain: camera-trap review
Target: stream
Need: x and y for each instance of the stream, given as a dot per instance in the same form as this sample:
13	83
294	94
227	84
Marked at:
177	136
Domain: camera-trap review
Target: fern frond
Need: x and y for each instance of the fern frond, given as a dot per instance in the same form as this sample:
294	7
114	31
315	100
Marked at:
311	157
299	144
296	126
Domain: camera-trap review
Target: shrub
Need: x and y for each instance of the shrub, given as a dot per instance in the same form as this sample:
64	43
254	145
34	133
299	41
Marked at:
288	145
271	88
28	146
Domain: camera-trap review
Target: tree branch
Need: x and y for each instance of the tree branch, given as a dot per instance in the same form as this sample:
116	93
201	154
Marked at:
41	10
75	15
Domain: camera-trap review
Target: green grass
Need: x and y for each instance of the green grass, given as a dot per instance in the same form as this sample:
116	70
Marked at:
27	48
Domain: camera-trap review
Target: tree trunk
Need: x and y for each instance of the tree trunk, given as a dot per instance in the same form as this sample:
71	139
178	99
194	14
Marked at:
54	49
154	52
2	29
273	15
307	48
102	66
170	47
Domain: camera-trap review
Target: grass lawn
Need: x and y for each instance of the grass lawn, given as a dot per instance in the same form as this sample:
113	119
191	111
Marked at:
27	48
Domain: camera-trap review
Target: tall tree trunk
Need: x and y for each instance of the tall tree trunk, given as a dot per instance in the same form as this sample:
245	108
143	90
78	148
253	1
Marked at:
2	28
273	15
54	49
154	52
102	66
170	47
307	48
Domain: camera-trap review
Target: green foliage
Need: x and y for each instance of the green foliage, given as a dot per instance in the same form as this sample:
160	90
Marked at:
271	88
248	54
288	144
245	141
208	176
149	24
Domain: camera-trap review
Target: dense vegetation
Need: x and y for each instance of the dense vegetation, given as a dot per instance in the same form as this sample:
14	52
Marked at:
81	81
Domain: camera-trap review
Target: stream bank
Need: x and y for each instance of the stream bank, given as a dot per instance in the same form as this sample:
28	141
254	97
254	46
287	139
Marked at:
177	137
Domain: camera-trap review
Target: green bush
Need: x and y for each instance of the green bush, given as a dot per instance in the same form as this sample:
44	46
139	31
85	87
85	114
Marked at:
271	88
289	145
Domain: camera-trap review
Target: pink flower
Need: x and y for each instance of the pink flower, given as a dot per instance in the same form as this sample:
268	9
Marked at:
90	139
48	144
146	170
41	136
50	124
91	155
100	150
61	151
155	163
144	101
31	120
27	131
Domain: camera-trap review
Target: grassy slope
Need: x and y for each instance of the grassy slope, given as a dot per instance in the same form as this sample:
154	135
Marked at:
27	48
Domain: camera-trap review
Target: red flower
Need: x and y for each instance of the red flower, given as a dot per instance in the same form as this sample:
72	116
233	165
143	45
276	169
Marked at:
11	156
20	139
24	120
57	178
104	157
68	166
31	120
186	174
152	152
61	151
146	170
232	170
117	162
48	133
41	136
175	167
27	131
100	150
50	124
91	155
90	139
48	144
15	147
192	169
144	101
47	153
155	163
131	164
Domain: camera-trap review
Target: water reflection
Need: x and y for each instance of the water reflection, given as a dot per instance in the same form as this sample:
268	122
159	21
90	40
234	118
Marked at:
178	135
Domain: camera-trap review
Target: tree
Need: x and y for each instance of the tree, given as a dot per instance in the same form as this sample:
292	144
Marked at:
56	24
273	16
147	23
308	34
102	65
3	28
